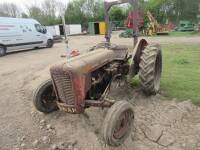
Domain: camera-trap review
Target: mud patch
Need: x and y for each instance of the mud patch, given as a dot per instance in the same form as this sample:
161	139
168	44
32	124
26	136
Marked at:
159	124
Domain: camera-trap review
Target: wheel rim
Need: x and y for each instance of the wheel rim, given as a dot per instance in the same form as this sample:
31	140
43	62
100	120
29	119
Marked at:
48	98
123	124
157	72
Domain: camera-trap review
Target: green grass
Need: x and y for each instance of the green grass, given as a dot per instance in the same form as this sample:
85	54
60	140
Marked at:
181	34
178	34
181	72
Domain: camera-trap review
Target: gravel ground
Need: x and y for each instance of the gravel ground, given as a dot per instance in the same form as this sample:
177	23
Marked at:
159	124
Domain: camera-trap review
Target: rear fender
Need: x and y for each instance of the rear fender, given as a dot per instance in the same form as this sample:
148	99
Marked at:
140	47
135	60
138	50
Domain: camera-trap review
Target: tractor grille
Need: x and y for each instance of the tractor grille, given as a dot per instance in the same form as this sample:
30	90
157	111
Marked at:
63	86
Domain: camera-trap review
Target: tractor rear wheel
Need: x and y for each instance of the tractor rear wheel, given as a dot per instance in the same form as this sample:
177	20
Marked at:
44	98
117	123
150	69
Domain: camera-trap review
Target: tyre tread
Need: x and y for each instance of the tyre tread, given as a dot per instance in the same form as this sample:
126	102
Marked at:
147	69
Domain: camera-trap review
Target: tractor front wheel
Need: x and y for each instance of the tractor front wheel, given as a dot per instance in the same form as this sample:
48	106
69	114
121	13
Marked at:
117	123
150	69
44	98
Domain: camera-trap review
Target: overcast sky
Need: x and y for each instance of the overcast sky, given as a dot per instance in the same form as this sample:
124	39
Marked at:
23	4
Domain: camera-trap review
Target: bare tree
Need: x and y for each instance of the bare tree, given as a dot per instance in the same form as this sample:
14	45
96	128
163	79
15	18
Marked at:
9	10
61	8
36	13
49	7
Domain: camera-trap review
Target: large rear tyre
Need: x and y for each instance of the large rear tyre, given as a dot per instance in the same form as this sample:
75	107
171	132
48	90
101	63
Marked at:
44	98
150	69
117	123
2	50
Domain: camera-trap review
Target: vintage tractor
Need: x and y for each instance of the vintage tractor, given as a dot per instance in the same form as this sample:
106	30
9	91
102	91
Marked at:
85	80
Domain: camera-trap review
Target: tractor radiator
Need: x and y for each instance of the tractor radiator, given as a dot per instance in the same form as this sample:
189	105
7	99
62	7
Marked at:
63	86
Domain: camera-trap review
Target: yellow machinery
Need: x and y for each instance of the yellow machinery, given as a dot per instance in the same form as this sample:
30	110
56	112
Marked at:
102	27
154	27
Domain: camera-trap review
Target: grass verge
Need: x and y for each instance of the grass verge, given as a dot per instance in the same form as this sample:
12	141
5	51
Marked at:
181	72
178	34
181	34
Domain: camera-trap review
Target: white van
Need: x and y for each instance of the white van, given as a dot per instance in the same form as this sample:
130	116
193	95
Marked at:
18	33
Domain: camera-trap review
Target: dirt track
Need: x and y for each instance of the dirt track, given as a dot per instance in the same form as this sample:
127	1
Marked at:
159	124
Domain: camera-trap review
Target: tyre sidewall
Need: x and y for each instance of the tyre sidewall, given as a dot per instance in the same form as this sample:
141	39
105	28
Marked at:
2	50
50	43
159	54
37	98
149	81
110	122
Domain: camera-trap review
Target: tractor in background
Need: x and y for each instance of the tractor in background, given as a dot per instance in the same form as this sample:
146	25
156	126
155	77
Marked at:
149	29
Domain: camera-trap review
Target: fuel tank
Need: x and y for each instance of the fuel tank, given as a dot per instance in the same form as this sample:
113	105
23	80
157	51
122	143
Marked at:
90	61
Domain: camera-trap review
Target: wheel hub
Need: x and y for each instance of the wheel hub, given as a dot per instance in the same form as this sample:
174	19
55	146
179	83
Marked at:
1	50
48	98
123	125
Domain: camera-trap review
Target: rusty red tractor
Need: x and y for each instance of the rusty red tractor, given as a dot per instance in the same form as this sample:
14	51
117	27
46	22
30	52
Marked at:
85	80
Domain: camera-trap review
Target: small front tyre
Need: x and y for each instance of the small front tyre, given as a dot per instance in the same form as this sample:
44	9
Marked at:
44	98
118	123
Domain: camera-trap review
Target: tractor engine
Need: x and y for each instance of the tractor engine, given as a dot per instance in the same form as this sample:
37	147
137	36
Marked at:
86	77
103	76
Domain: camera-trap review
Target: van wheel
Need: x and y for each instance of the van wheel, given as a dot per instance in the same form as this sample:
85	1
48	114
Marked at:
2	50
49	43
